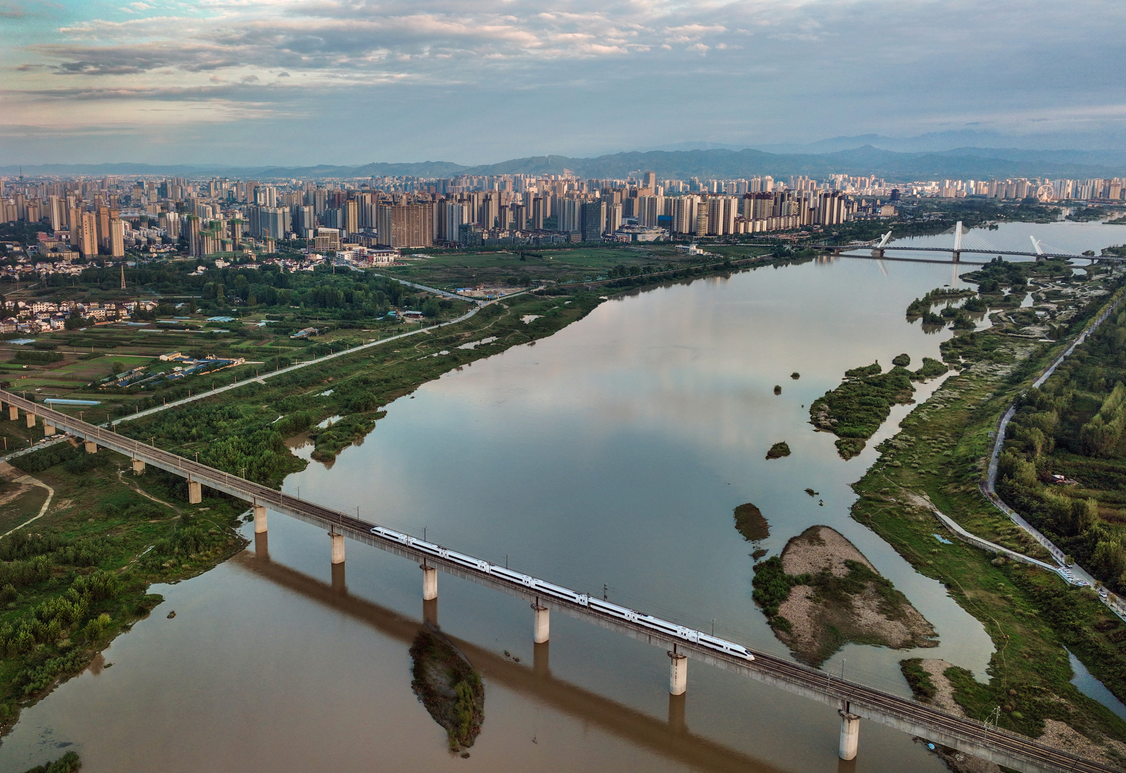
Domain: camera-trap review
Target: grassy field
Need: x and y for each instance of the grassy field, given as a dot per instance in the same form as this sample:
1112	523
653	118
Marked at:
90	355
535	264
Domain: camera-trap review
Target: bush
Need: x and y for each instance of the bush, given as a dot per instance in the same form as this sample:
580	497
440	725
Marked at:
772	585
36	357
918	678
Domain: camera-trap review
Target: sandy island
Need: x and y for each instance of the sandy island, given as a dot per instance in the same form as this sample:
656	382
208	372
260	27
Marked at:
838	597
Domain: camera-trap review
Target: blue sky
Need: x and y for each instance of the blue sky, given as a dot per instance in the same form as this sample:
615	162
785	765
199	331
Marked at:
474	81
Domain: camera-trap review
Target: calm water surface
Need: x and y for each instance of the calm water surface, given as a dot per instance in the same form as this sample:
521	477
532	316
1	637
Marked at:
608	458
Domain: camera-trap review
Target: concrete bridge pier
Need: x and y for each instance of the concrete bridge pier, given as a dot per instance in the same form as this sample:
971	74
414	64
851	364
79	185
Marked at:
542	623
957	256
678	674
677	713
48	429
429	582
195	492
91	447
850	734
337	547
138	467
259	519
430	611
13	412
30	420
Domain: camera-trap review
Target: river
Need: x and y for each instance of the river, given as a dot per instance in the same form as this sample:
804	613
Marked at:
608	458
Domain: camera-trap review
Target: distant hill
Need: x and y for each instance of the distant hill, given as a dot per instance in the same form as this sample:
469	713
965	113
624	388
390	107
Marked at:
963	162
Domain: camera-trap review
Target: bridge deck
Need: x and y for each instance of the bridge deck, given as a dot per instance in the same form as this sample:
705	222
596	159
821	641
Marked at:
968	735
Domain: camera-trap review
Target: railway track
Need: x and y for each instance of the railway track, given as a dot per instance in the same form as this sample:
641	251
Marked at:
969	735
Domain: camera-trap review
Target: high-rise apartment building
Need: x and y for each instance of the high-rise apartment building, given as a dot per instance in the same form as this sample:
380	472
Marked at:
88	235
405	225
117	237
592	220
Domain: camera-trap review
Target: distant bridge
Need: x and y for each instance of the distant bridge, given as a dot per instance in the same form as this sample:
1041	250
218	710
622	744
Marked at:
852	700
879	246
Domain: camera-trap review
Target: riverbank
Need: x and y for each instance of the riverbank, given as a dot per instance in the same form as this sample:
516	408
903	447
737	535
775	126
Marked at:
941	453
80	577
147	531
255	420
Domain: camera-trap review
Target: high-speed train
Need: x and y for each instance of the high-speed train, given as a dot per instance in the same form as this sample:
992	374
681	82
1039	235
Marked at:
566	594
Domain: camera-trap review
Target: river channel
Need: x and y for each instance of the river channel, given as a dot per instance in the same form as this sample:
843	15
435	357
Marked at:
607	458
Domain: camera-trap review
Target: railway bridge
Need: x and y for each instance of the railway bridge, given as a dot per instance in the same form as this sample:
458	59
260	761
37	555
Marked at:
853	701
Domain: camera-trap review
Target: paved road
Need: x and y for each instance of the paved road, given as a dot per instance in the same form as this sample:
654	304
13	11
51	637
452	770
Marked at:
45	443
1073	574
909	716
314	361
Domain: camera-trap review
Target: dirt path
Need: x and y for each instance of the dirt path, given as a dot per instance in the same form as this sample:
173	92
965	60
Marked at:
14	475
121	477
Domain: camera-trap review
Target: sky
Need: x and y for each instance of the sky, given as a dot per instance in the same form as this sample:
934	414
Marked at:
304	82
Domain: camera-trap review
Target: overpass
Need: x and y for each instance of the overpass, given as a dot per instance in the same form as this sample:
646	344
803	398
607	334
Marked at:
853	701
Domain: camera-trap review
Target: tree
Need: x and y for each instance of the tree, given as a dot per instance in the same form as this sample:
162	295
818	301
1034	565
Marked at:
117	367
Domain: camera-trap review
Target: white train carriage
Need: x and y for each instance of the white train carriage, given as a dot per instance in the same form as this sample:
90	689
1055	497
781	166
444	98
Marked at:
566	594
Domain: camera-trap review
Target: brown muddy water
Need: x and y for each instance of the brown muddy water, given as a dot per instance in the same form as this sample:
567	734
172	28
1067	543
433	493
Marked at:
607	458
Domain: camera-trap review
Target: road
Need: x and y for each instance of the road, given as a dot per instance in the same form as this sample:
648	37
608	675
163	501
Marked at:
1074	573
259	379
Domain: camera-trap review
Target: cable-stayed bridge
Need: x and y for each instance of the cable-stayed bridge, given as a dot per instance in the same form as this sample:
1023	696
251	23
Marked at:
960	246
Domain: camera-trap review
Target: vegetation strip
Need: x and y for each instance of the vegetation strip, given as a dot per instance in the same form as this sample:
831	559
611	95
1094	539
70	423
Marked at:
1030	615
1062	460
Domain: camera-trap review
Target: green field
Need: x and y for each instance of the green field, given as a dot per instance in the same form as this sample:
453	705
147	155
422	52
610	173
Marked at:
535	264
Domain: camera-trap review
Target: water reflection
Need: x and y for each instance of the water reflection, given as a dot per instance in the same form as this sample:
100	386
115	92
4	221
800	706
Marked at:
672	739
613	453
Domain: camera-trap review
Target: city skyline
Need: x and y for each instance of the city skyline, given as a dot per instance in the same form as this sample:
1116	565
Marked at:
338	82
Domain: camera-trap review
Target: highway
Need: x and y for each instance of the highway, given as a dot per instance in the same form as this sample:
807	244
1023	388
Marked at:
968	735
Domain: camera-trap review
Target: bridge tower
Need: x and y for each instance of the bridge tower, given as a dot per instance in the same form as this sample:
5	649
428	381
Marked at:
958	241
878	250
1038	248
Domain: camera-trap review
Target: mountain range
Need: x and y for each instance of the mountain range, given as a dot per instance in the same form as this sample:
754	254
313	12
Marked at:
703	162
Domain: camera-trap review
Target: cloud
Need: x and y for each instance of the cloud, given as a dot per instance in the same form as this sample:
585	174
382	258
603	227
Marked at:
870	64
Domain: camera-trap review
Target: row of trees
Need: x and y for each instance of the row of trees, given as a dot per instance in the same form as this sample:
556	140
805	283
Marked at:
1102	435
1072	430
